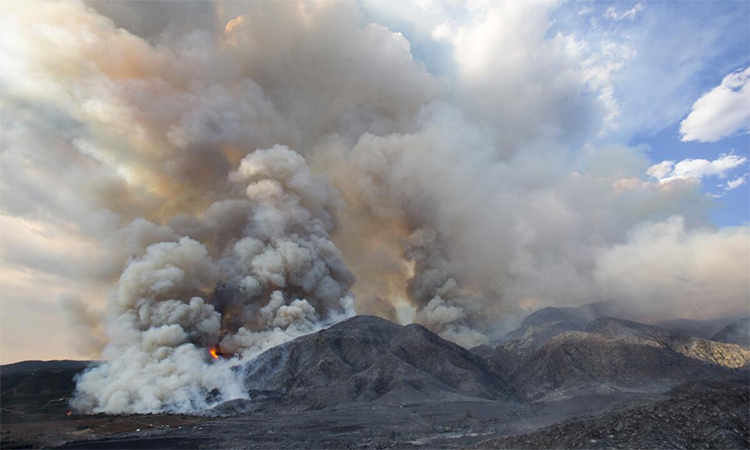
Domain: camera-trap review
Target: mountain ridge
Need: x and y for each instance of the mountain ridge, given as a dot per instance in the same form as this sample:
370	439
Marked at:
370	359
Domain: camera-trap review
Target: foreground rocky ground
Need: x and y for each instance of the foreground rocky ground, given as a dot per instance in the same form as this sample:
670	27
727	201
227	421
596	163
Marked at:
373	426
567	378
711	414
704	415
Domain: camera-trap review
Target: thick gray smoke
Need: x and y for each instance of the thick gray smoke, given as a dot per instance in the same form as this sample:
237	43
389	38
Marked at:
220	174
269	272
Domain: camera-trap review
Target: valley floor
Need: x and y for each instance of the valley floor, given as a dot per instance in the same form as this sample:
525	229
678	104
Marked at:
711	414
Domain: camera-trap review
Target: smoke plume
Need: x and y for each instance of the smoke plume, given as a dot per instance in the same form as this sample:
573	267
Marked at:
233	175
266	272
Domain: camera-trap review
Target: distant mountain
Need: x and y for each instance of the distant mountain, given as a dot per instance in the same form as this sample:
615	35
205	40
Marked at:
566	319
536	336
31	366
719	353
37	388
539	327
615	355
366	359
705	329
578	363
581	314
735	333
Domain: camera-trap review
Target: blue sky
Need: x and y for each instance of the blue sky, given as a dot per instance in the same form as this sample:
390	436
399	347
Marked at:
672	53
691	45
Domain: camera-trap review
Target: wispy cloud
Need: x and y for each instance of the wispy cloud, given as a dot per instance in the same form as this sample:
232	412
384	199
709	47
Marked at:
667	171
630	14
737	182
721	112
586	10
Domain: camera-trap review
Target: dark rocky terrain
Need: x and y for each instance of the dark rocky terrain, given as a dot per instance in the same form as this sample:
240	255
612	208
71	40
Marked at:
36	388
34	410
705	414
572	378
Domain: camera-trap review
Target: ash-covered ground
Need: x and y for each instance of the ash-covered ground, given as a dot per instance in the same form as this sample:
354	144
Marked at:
567	378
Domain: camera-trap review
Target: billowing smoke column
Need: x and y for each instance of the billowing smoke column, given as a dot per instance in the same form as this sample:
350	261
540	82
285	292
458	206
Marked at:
221	171
442	305
269	273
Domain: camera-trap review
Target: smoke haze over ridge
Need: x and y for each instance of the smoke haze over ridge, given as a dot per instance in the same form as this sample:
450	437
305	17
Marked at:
239	174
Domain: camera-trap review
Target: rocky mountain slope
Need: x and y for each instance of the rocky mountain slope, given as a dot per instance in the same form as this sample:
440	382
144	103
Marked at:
366	359
578	363
540	326
719	353
735	333
563	352
607	355
338	379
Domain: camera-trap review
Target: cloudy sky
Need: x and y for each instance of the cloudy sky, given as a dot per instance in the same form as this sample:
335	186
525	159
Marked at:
471	161
674	76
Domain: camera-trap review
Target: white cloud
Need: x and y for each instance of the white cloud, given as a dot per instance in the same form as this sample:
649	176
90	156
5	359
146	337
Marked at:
613	14
737	182
661	170
671	61
721	112
442	32
689	168
586	10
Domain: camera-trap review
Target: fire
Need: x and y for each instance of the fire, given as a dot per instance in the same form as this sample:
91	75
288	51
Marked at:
69	413
214	352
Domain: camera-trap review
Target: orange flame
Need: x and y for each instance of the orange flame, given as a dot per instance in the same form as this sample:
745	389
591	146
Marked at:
214	353
69	413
